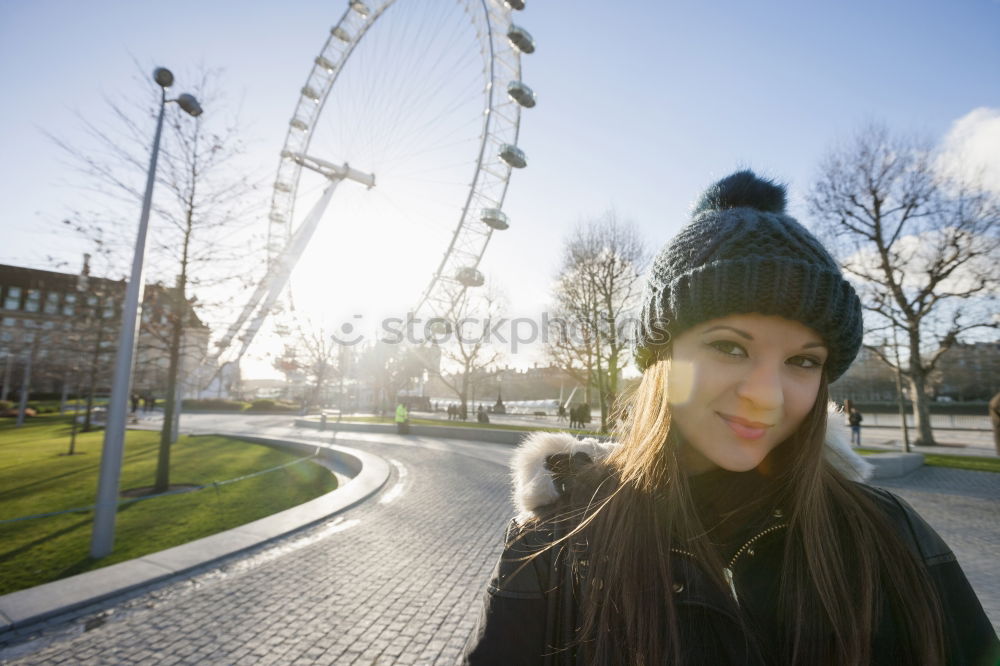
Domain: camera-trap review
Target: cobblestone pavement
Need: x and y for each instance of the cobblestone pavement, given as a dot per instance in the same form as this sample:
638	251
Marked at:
963	506
399	578
395	580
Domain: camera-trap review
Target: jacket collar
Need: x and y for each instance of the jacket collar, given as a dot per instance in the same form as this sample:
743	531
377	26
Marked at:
534	486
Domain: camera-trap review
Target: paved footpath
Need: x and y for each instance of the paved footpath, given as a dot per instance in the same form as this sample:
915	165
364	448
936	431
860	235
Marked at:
399	578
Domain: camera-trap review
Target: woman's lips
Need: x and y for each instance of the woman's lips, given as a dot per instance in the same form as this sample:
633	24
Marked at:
744	428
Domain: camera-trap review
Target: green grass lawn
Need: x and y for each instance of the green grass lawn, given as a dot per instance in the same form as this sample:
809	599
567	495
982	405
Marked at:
37	477
978	463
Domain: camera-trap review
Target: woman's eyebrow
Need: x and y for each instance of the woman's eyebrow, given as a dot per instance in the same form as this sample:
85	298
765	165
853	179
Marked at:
747	336
737	331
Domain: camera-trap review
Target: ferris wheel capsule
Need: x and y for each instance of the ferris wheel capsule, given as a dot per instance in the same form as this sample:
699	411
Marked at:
494	218
521	39
470	277
360	7
521	93
515	4
513	156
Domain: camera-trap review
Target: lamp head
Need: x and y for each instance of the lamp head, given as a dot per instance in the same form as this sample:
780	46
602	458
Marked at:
163	77
189	104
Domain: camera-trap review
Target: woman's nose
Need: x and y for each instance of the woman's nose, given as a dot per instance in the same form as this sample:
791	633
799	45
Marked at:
762	386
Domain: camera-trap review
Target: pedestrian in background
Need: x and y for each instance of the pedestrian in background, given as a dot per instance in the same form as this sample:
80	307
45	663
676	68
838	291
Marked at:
402	420
855	419
728	525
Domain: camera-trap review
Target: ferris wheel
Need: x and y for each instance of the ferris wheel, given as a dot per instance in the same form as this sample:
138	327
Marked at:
414	106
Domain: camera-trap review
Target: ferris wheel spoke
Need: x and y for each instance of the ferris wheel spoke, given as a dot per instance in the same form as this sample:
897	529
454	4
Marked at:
415	93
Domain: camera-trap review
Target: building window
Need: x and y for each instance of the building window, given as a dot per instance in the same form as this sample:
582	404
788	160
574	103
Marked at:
10	322
52	302
33	300
69	305
13	300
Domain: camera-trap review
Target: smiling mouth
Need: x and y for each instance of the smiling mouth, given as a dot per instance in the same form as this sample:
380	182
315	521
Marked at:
744	428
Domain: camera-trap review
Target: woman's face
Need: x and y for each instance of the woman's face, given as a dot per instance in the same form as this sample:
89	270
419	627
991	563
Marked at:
741	385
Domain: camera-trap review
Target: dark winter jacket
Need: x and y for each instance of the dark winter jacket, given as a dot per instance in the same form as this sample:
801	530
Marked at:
526	604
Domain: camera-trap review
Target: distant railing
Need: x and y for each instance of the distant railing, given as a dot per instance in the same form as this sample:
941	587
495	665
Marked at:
938	421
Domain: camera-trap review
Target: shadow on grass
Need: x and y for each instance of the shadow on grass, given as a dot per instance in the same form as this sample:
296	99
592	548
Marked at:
16	491
89	520
11	554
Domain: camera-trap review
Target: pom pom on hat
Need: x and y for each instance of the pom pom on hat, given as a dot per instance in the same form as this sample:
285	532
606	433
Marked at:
743	189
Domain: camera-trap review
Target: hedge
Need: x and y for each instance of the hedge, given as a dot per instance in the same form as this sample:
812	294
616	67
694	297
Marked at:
214	404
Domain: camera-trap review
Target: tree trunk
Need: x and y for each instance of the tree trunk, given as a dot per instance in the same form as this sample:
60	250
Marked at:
169	408
921	410
918	389
72	431
601	396
95	359
25	388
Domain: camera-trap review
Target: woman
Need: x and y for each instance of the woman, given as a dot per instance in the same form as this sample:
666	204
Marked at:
728	525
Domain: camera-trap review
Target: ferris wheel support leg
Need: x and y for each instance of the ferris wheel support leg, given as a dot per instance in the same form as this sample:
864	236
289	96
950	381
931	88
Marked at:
275	282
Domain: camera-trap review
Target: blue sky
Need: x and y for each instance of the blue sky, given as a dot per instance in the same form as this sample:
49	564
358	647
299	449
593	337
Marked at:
641	105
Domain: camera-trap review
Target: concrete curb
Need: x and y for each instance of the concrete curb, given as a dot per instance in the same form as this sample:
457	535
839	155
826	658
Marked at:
893	465
367	474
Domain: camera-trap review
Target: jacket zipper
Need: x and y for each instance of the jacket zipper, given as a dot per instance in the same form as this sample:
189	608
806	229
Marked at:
727	571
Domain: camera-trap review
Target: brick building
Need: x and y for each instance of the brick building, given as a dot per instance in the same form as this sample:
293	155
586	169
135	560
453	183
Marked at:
67	326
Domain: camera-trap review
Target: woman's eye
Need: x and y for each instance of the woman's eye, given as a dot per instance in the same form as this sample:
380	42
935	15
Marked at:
806	362
728	348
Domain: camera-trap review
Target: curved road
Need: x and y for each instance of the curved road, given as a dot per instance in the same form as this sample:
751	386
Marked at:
394	580
397	579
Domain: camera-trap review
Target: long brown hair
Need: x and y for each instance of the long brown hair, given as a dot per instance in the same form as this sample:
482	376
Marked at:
842	561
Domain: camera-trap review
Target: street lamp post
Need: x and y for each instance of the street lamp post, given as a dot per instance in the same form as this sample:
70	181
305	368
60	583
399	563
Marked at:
899	390
102	539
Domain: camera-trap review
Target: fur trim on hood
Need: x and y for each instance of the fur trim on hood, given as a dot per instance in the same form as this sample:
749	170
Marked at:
535	485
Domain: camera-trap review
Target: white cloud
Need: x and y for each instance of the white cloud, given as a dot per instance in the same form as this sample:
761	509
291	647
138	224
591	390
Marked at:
971	147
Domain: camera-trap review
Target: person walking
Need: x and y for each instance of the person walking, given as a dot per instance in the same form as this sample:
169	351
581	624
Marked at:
730	523
855	419
402	420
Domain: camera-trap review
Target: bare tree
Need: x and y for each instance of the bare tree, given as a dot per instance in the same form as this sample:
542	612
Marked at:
922	242
203	206
390	366
319	359
596	293
469	352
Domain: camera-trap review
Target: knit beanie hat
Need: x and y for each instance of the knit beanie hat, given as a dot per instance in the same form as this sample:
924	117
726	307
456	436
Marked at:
742	254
